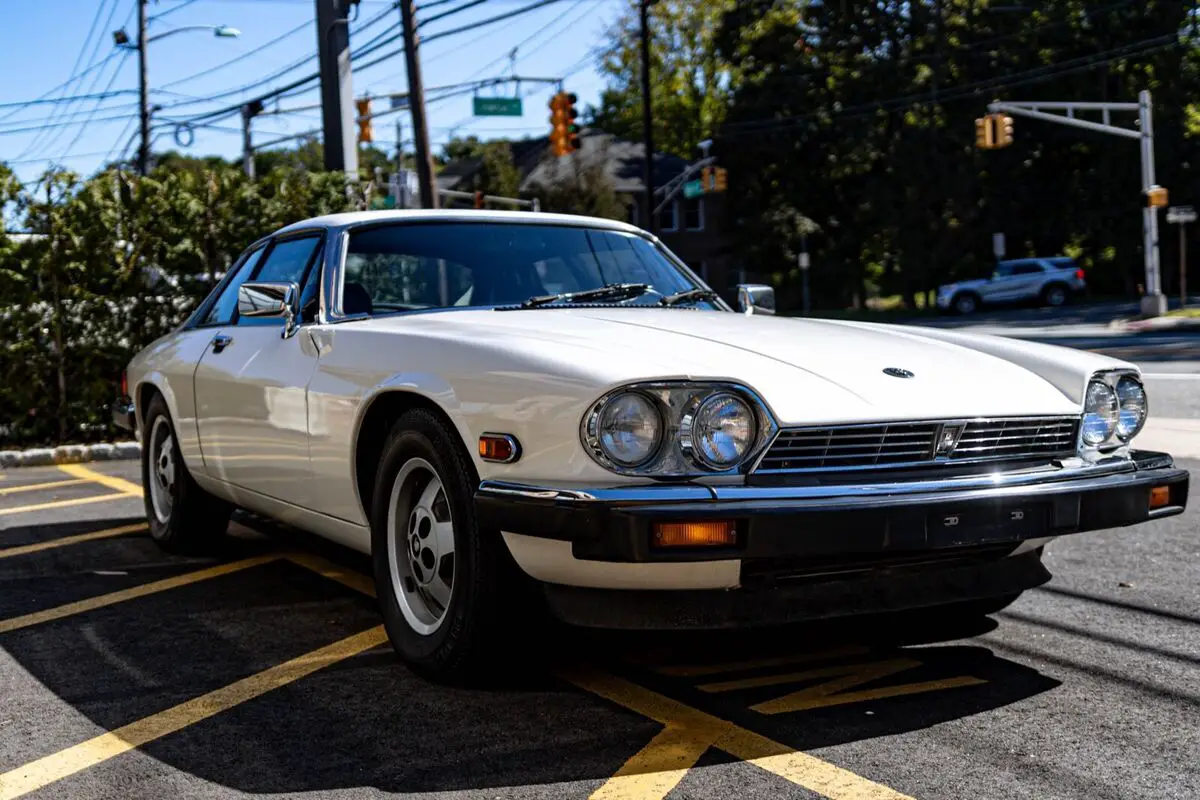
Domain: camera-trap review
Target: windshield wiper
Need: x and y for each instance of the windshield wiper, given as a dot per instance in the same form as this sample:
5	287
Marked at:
611	291
688	296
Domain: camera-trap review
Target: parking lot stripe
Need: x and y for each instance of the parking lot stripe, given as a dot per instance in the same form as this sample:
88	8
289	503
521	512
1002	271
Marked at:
45	771
799	768
59	612
74	501
111	481
33	487
847	675
69	540
327	569
659	766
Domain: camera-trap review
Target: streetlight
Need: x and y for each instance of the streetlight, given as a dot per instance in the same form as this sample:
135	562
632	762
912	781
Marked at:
121	39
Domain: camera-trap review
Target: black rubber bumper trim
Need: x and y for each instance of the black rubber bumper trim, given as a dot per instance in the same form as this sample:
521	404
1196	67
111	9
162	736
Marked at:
848	526
775	604
123	414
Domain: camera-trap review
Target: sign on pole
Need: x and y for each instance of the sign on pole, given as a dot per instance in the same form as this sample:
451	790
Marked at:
805	261
497	106
999	246
1181	215
693	189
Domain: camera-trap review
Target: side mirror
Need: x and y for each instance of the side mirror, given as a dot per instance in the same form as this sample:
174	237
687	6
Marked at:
755	298
269	299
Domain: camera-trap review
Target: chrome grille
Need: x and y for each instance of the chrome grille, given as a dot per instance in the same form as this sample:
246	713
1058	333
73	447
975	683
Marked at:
1009	438
850	447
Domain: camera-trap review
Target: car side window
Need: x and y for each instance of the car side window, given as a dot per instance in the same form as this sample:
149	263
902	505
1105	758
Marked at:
1003	271
1029	268
287	262
224	309
310	295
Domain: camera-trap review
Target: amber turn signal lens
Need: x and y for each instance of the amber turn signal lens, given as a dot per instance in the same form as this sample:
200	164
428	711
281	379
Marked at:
1160	496
721	533
498	447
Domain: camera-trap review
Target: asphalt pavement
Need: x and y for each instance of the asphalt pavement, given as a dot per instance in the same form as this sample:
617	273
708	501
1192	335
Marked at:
126	672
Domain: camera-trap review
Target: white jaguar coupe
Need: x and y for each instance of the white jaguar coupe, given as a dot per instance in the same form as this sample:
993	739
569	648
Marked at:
512	408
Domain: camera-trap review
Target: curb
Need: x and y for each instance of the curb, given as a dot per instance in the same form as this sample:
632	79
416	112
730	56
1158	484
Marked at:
70	454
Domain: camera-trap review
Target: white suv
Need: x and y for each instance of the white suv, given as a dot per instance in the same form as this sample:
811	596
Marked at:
1051	281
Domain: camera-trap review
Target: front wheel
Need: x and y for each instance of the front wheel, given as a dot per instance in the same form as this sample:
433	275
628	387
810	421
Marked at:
449	593
1054	296
965	303
183	518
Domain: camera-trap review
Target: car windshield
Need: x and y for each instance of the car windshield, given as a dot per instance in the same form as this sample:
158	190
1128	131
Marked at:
409	266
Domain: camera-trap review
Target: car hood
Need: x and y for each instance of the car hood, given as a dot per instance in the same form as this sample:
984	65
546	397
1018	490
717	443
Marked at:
806	370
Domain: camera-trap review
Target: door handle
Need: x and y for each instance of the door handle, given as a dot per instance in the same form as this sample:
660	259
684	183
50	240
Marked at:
220	342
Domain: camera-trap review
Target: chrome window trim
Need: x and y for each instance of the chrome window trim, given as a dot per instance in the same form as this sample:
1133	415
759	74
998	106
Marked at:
934	461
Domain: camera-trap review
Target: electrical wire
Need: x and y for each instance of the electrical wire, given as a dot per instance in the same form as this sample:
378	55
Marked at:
161	14
95	109
283	36
450	12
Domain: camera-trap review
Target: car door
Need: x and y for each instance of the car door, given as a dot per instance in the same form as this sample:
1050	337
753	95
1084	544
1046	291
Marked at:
998	288
1027	280
251	382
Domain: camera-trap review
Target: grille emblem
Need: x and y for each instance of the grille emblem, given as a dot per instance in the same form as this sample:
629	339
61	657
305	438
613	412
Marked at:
947	438
896	372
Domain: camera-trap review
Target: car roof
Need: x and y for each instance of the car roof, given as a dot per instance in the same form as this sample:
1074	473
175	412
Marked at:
356	218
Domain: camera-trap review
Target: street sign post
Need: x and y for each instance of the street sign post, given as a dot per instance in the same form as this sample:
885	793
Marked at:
693	189
497	107
999	246
1182	216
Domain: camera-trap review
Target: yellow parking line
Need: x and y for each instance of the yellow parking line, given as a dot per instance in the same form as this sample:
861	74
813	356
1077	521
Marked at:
74	501
69	540
695	728
111	481
45	771
656	769
33	487
59	612
327	569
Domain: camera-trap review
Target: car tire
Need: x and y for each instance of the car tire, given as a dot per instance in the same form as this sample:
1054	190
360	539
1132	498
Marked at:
1055	295
183	518
965	303
453	600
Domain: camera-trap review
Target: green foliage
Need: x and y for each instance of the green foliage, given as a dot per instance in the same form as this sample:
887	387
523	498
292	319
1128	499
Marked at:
579	187
114	263
498	175
689	78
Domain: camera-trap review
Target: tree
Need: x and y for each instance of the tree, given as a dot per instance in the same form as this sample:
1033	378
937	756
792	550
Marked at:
576	186
689	79
497	174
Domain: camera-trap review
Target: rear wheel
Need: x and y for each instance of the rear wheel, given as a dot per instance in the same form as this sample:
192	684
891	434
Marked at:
1054	295
452	599
183	518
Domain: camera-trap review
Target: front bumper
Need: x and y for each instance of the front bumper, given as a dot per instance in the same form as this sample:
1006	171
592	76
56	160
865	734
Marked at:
602	538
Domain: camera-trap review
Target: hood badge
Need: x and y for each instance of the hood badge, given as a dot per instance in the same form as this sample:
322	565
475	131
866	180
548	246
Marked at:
896	372
947	438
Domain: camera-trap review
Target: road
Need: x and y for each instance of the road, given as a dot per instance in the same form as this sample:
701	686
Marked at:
129	673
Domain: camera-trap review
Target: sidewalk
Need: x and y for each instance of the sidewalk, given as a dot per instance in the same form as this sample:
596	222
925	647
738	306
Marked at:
1179	437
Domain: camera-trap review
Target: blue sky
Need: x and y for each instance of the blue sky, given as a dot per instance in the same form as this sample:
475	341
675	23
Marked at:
48	42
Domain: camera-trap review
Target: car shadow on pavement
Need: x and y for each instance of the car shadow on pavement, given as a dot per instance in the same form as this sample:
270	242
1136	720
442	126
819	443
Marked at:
367	721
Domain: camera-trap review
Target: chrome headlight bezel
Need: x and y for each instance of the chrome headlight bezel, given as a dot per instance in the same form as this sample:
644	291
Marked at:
678	403
1133	389
1115	441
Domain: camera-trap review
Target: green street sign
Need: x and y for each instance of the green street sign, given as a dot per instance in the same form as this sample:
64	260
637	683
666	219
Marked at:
693	189
498	107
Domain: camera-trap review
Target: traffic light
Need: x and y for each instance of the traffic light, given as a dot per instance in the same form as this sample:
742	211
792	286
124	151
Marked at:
1004	129
719	180
478	199
985	133
564	133
706	178
366	133
1156	197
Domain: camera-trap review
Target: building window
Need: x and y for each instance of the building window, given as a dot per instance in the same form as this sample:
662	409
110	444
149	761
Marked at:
693	214
668	218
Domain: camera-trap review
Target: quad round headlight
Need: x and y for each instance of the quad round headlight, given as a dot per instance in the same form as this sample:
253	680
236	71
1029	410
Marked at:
1100	412
629	429
723	431
1132	407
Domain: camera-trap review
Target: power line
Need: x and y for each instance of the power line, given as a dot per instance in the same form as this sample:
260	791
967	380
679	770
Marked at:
161	14
95	109
449	13
302	26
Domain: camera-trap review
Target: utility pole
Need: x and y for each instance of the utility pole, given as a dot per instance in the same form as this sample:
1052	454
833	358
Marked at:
249	111
143	158
337	92
416	101
401	183
1182	216
647	119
